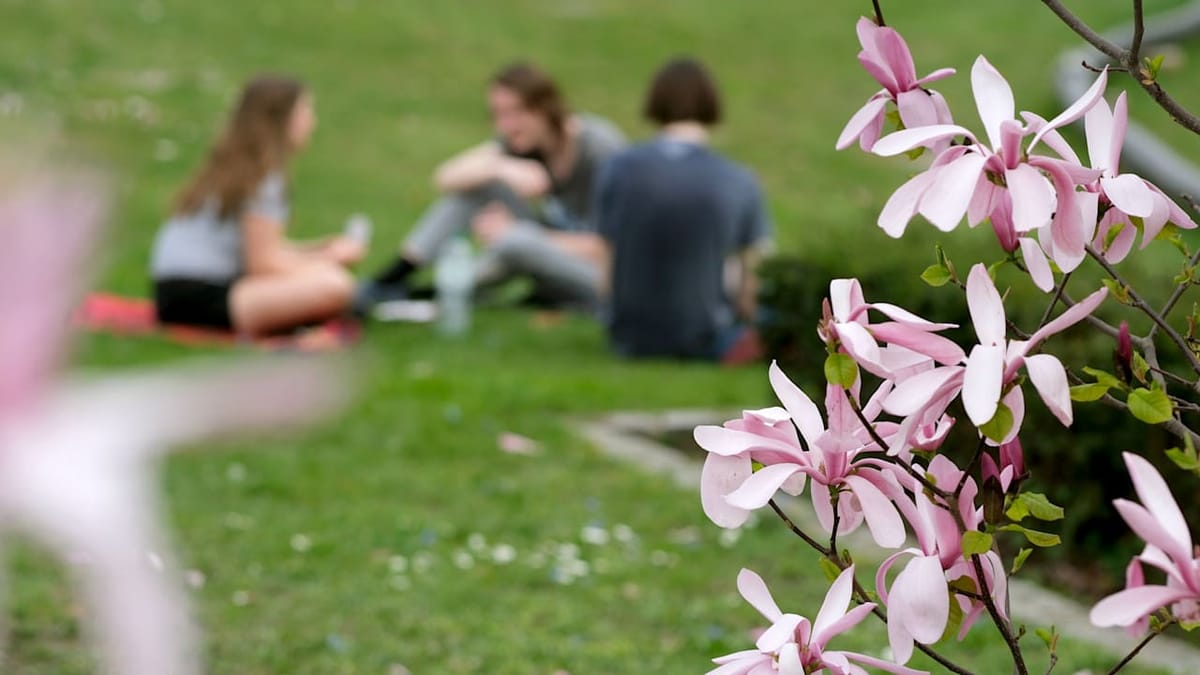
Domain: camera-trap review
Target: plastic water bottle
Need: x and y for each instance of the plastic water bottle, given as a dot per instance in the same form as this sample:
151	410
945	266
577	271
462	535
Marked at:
358	228
454	279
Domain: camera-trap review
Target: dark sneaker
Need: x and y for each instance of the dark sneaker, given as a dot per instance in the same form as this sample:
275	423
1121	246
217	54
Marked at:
372	293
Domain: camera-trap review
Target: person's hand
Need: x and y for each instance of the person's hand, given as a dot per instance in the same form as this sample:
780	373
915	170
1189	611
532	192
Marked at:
527	177
345	251
491	223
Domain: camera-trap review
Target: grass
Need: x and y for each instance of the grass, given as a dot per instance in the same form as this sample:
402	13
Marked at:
345	550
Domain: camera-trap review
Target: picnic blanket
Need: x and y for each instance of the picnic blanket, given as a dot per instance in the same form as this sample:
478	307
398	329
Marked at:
123	315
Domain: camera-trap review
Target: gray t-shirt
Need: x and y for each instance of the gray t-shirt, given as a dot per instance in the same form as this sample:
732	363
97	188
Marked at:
569	206
673	213
203	246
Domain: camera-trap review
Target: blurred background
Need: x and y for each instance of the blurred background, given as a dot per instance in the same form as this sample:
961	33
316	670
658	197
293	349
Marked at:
400	539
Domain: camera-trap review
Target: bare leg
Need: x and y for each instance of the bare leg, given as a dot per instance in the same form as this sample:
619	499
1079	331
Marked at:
260	305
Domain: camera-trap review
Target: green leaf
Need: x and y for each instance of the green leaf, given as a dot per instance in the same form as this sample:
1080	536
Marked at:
1000	424
940	253
1112	233
1150	405
831	570
1153	65
1118	291
1035	537
936	275
1184	460
953	622
841	370
995	267
975	542
1019	561
1088	392
1049	636
1140	367
1105	378
1039	507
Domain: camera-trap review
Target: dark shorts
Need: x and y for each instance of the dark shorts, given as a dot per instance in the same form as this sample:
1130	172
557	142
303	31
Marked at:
193	303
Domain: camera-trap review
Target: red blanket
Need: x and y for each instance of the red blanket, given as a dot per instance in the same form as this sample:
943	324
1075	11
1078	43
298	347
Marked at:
123	315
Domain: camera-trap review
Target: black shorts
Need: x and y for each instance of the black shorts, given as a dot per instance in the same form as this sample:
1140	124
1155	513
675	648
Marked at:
193	303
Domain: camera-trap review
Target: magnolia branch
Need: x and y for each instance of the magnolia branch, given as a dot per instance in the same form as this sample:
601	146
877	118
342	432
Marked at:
1002	624
1141	645
1128	58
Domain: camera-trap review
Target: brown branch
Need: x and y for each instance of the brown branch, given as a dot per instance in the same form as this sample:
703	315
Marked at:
1146	309
878	14
801	533
1002	624
1128	60
1139	29
1181	288
1141	645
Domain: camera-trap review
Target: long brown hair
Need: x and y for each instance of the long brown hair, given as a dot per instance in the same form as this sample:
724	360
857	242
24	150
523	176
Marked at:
253	144
538	92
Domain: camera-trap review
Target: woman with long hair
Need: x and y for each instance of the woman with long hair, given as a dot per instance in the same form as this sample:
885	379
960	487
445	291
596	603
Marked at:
222	260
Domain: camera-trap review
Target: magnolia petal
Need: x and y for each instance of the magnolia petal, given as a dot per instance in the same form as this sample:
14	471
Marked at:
884	522
803	411
993	98
983	200
1156	497
837	599
845	623
1050	379
1036	263
868	115
1015	400
742	663
779	634
916	109
921	600
1128	606
1077	109
915	392
720	476
1130	194
1073	315
906	139
982	383
986	307
1122	244
761	486
1052	138
1032	197
722	441
902	205
946	200
754	590
1158	217
1145	525
857	341
896	57
846	300
943	350
904	316
1098	127
939	74
789	662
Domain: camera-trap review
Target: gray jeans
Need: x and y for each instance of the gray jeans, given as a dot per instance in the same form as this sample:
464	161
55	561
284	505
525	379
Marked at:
525	250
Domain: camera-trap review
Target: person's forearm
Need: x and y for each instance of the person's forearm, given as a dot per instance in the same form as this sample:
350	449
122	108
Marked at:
466	173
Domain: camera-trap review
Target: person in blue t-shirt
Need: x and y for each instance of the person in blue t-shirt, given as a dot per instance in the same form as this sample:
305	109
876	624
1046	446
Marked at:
677	217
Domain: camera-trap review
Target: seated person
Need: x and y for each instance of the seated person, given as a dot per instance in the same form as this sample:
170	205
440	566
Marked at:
674	212
222	260
526	195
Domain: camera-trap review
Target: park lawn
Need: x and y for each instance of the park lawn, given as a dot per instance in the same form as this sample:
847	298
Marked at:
349	548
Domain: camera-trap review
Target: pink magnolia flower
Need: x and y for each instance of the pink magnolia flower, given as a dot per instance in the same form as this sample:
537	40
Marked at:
730	489
918	601
1160	523
75	456
795	646
1125	194
912	343
970	180
993	364
886	57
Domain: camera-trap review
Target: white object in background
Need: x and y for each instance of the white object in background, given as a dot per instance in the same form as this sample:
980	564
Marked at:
454	280
358	228
411	311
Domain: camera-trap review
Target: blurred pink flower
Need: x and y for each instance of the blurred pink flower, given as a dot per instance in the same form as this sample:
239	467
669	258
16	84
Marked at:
76	456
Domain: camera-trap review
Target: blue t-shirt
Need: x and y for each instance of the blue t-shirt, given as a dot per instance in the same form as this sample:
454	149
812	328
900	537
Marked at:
673	213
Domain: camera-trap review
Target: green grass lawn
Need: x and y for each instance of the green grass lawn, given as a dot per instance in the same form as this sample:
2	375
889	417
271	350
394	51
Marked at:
399	534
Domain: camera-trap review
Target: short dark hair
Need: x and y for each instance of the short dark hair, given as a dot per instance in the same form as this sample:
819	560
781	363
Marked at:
537	90
683	91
